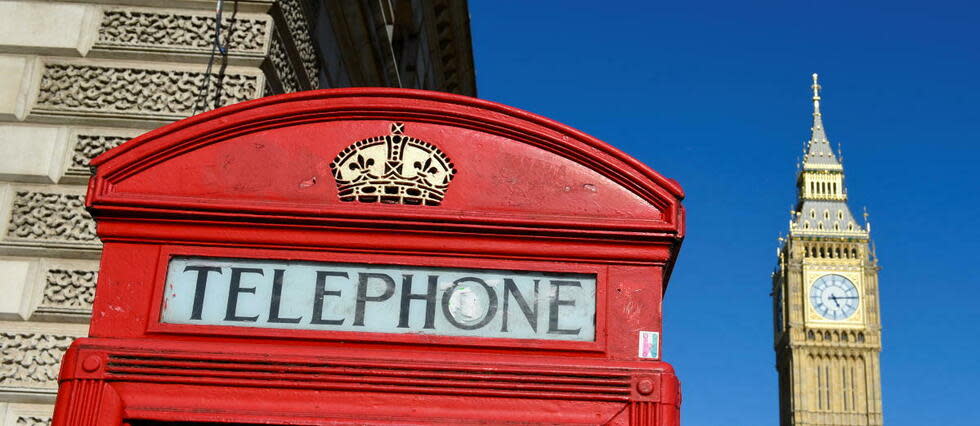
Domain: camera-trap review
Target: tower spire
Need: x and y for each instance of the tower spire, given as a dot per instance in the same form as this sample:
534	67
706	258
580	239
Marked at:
816	96
822	199
818	151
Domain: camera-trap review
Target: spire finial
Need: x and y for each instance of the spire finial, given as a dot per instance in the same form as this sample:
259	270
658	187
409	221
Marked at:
816	95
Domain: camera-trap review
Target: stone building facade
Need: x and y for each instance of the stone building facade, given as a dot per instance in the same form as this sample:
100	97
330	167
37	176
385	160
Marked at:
827	324
81	77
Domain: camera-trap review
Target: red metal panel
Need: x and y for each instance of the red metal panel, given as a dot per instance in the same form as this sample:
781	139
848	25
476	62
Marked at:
177	381
254	181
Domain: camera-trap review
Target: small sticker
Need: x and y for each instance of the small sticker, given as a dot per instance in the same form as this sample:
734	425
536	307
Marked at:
650	344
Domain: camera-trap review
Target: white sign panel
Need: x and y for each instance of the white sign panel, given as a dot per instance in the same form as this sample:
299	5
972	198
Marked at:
380	299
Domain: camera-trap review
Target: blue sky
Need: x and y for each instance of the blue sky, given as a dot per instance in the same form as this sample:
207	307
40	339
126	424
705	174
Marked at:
716	95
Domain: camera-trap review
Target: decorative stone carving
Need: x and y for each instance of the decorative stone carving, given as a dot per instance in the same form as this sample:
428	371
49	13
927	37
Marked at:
31	360
71	290
77	89
299	28
88	147
150	30
280	62
33	421
55	217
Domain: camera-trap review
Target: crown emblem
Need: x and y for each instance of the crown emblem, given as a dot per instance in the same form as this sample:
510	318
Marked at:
393	169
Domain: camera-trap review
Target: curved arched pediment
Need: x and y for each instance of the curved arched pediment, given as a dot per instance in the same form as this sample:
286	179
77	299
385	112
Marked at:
383	157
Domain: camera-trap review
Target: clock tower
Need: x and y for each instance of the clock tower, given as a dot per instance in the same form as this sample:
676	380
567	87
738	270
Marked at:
827	330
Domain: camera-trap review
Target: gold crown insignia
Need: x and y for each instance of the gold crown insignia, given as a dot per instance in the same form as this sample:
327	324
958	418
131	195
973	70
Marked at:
393	169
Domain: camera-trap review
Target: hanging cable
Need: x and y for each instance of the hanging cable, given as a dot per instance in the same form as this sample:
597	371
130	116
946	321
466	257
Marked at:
204	92
224	54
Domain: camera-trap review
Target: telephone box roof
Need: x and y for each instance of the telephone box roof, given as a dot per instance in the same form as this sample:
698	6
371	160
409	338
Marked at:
551	179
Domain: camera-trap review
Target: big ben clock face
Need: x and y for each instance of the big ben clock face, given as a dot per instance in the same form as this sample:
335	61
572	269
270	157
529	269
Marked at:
834	297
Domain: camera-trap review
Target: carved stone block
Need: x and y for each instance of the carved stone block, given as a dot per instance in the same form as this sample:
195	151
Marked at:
87	147
161	93
86	143
298	23
50	217
282	67
67	292
47	290
31	360
156	30
33	421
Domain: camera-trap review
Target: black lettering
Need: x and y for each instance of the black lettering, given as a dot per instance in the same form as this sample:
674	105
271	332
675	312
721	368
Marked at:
321	292
556	303
277	276
510	287
202	283
491	310
363	298
235	289
429	297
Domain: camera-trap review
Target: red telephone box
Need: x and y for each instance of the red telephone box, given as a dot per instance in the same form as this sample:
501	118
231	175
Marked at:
375	256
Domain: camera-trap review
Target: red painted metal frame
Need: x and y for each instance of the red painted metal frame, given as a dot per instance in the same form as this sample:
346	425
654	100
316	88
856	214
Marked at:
530	194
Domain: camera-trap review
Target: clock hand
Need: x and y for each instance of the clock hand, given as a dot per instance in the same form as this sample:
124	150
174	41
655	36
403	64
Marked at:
834	298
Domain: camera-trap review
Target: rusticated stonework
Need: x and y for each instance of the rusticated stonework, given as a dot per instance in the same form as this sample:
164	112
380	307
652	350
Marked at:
146	30
33	421
31	360
280	62
69	289
87	89
299	28
46	216
88	147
